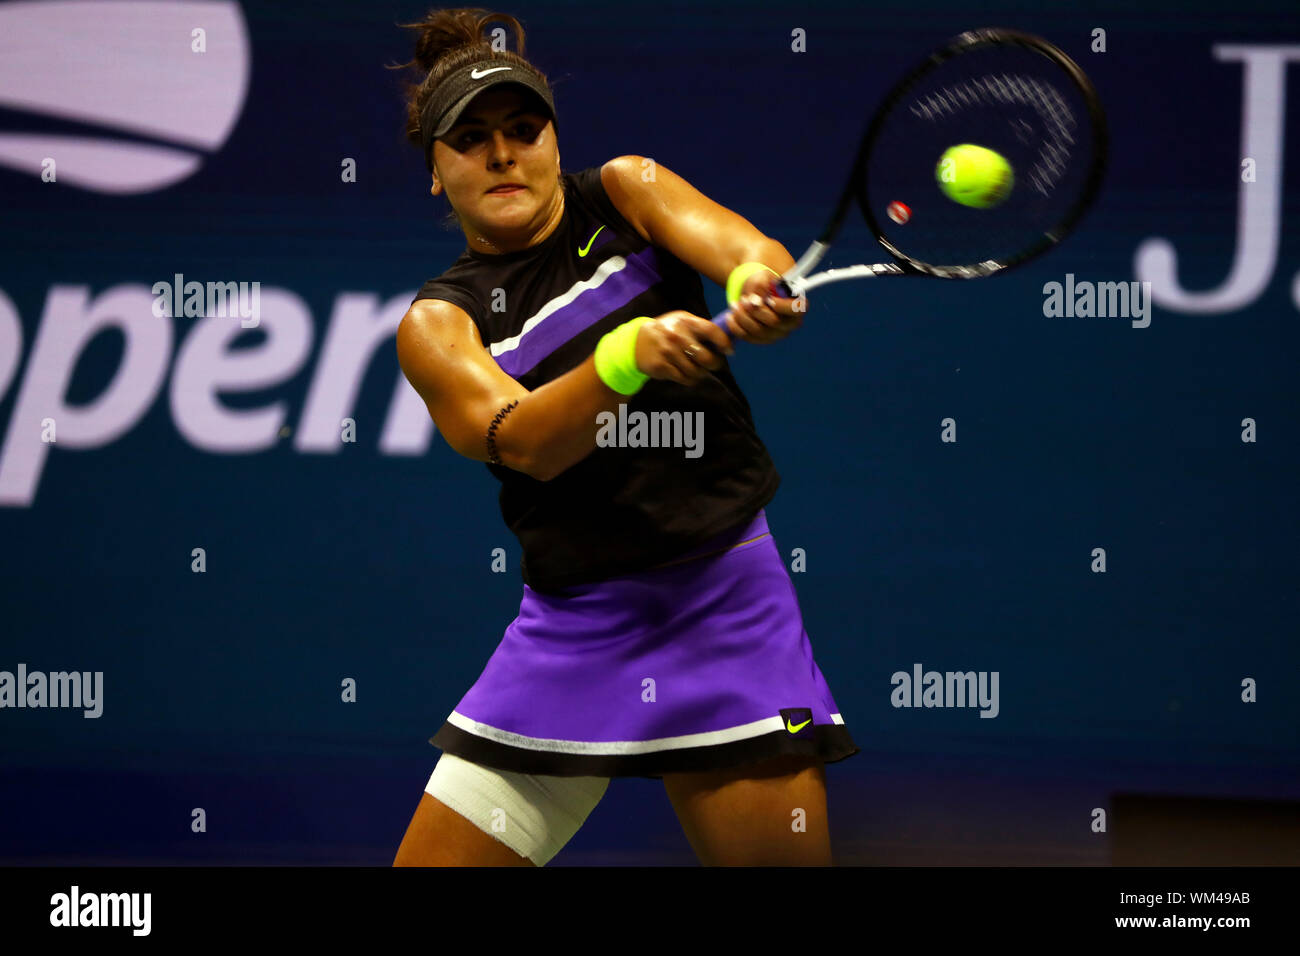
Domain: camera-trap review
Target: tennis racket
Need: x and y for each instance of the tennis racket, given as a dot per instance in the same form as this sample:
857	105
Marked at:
1004	90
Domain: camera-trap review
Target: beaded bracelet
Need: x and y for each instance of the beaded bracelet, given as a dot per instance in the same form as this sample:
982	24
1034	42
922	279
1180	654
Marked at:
493	457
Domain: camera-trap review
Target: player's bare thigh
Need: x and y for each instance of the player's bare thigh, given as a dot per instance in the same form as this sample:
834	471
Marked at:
439	836
767	814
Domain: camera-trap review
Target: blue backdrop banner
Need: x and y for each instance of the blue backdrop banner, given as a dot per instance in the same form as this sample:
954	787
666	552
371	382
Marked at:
243	578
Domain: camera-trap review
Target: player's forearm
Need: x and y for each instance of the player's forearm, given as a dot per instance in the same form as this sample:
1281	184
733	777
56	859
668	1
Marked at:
555	426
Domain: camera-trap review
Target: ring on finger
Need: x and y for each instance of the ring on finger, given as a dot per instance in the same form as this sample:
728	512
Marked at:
691	351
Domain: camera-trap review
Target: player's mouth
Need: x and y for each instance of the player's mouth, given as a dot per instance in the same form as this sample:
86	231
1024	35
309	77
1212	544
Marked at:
506	189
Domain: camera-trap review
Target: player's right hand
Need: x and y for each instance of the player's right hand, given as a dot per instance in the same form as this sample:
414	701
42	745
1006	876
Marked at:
662	346
762	317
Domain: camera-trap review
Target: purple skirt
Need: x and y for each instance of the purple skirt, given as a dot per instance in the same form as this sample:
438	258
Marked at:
703	664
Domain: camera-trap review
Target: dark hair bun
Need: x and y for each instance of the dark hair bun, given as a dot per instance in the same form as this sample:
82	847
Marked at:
448	40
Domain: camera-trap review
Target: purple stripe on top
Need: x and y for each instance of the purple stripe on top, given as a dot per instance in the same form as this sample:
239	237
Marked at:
640	273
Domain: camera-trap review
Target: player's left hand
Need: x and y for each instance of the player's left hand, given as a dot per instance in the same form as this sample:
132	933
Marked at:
762	318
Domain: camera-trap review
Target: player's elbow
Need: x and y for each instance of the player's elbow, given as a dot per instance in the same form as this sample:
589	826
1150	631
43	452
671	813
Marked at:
526	466
518	457
542	471
518	454
550	461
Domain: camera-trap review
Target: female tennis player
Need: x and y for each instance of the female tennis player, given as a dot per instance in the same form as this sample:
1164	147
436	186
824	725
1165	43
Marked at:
569	347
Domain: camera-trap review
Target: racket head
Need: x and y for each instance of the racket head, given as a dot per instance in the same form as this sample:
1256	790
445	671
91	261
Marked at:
1004	90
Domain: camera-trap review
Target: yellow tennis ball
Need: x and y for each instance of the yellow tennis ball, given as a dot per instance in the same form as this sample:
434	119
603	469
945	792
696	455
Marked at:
974	176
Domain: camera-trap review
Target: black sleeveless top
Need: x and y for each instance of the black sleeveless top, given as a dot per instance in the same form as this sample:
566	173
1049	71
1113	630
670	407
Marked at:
540	312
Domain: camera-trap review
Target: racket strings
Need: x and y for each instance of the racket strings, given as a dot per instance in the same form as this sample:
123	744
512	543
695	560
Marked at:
1056	118
1019	103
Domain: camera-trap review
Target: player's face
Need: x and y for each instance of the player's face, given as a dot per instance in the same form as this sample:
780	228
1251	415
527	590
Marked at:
500	138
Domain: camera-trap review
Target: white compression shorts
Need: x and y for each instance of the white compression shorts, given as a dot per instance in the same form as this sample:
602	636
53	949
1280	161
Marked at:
532	814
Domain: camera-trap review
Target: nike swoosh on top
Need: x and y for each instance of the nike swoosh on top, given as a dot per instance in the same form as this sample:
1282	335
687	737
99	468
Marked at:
582	252
797	727
475	74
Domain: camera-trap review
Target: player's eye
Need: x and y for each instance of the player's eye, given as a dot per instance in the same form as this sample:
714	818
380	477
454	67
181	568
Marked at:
527	131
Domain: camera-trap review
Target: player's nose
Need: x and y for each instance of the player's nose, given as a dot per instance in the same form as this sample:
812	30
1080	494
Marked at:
500	151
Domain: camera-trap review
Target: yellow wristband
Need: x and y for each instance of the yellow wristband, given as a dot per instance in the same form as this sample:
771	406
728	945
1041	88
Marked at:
736	281
616	358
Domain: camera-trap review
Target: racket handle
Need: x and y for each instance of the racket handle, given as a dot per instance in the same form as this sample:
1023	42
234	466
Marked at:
778	289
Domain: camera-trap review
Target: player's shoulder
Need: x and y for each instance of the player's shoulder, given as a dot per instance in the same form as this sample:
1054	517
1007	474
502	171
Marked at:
623	168
628	189
440	302
624	175
436	307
